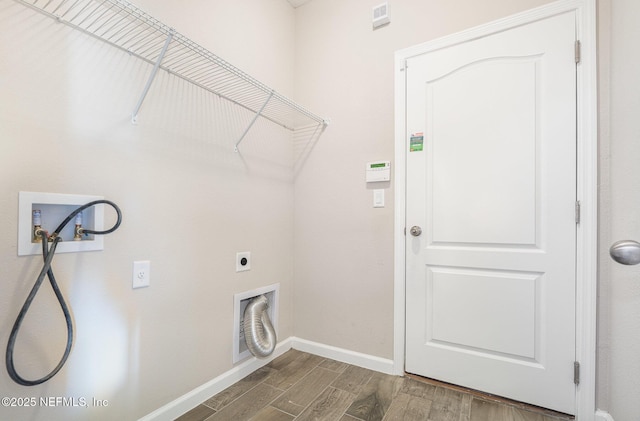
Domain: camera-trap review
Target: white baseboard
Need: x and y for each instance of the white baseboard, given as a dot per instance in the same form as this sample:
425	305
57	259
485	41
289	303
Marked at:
371	362
186	402
603	416
190	400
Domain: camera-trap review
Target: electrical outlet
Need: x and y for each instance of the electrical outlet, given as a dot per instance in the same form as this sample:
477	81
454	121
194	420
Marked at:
243	261
141	274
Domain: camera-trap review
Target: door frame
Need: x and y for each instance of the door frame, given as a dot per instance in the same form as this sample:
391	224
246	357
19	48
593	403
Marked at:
587	185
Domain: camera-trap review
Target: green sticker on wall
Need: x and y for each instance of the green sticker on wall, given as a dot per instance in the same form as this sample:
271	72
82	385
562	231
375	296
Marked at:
416	142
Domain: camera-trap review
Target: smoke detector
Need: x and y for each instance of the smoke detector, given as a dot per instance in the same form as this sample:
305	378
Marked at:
381	15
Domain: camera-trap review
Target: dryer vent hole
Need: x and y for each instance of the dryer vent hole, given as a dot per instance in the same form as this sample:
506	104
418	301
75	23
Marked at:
240	349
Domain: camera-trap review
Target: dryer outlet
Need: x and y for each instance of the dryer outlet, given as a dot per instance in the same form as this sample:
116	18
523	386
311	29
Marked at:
243	261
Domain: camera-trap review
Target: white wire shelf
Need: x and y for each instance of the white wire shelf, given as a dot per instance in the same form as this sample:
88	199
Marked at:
124	26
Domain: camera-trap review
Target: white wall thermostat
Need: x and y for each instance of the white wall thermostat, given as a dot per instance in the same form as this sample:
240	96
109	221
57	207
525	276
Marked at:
378	171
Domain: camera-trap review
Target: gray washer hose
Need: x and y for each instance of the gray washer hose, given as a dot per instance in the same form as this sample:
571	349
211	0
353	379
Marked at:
258	330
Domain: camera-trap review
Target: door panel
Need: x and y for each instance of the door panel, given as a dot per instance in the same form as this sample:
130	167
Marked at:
460	174
490	294
498	327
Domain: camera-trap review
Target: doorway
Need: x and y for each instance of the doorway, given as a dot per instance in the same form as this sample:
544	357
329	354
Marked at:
496	332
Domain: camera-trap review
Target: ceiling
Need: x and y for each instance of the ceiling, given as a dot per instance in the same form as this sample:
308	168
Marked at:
297	3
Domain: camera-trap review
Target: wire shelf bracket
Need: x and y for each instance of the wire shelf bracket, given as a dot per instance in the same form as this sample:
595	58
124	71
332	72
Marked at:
258	114
128	28
145	91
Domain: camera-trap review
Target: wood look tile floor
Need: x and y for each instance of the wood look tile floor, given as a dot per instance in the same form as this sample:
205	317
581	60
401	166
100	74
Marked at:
303	387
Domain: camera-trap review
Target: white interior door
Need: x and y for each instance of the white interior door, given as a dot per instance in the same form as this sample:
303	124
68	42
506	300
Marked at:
491	181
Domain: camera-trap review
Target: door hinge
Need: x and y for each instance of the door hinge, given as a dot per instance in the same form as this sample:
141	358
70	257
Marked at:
577	212
577	47
576	373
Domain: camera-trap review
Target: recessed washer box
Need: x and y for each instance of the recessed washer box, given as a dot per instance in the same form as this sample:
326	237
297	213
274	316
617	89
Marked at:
55	207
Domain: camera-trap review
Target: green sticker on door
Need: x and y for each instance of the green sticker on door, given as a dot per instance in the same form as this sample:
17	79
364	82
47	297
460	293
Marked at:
416	142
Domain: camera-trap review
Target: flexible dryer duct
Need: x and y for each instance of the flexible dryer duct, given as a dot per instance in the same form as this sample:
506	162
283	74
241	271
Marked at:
258	330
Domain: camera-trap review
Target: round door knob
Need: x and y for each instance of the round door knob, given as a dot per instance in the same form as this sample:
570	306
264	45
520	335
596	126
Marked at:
415	231
626	252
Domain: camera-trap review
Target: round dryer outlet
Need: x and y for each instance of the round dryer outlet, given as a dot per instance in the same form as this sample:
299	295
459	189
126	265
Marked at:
243	261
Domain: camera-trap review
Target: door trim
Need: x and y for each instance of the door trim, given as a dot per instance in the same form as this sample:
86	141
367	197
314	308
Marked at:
587	183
